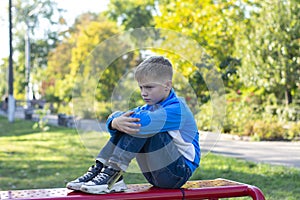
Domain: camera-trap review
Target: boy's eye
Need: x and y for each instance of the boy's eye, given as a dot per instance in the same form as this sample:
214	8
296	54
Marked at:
147	87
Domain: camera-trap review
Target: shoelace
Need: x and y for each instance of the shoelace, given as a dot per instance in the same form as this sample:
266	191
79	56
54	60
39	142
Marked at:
87	175
100	177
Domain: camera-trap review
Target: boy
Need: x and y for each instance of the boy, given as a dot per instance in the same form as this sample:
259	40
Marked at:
162	135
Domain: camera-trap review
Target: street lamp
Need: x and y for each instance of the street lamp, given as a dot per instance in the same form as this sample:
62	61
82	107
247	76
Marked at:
11	99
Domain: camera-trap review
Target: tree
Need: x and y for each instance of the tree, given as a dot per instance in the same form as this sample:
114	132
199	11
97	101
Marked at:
270	49
213	25
79	54
57	87
131	13
41	19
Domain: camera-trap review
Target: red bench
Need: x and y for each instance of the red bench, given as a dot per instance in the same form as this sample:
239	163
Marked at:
204	189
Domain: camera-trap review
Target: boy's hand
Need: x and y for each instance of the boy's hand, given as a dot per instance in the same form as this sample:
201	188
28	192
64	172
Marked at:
126	124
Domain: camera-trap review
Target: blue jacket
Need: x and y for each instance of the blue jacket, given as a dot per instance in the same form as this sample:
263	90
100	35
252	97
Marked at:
173	116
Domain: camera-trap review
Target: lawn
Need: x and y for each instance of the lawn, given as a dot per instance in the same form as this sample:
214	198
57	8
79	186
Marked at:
35	159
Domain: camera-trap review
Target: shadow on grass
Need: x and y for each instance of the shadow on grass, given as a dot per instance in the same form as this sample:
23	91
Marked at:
36	174
21	127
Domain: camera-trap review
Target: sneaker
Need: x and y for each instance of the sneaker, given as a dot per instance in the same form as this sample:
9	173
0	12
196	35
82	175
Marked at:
109	180
92	172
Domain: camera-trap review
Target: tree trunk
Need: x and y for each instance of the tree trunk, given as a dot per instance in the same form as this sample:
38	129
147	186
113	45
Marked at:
288	96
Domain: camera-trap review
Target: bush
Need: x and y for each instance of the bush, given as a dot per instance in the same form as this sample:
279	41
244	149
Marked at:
238	114
103	110
204	117
272	130
294	131
246	117
264	130
290	113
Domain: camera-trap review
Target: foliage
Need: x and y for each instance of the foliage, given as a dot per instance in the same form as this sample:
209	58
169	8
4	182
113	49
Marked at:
272	130
89	31
132	13
247	116
103	110
269	48
241	107
253	45
213	24
28	19
3	79
294	131
42	123
264	130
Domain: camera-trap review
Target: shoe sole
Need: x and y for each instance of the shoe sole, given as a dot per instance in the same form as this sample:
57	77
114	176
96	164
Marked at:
102	189
118	187
74	187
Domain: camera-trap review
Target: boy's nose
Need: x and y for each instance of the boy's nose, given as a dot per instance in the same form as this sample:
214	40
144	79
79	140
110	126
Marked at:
143	93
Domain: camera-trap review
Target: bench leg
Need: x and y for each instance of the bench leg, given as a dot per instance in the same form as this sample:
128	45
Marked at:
255	193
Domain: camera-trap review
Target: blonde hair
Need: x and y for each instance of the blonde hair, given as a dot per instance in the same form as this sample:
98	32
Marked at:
154	68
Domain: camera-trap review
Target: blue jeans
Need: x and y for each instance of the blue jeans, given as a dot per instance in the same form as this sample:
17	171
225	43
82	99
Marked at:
157	156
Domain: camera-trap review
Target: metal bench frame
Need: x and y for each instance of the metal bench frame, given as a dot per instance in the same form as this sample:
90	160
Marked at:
204	189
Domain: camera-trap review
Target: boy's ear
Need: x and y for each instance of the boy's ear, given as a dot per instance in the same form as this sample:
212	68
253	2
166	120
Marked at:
168	85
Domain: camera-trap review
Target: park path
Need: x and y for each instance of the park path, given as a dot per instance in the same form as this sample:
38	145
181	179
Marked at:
276	153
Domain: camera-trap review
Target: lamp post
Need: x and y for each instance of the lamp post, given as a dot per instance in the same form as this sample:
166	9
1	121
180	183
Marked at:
11	99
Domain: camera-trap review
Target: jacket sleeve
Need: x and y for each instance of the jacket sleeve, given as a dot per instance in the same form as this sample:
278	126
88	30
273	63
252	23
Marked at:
162	119
109	120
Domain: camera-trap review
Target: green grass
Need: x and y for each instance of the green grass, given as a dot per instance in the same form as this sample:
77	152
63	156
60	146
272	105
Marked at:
35	159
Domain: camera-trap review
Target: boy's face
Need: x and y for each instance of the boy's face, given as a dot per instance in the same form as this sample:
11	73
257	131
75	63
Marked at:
154	92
